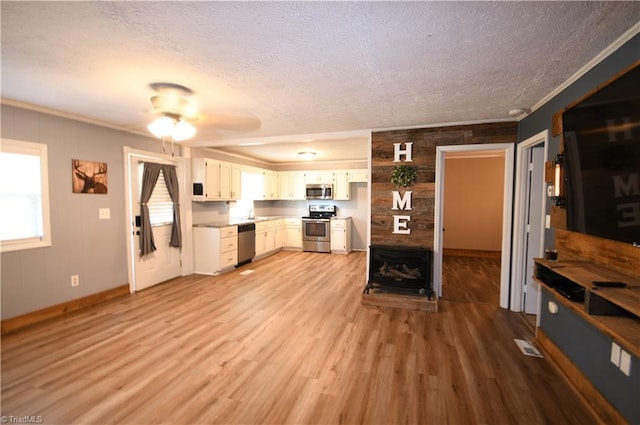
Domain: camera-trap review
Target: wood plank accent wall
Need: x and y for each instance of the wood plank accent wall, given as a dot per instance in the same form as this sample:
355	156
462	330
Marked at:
425	141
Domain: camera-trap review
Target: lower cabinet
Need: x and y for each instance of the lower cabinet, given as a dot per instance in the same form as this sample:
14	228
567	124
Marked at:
341	235
269	236
293	233
215	249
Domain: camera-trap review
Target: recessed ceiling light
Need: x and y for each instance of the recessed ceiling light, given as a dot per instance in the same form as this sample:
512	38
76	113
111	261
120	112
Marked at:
307	155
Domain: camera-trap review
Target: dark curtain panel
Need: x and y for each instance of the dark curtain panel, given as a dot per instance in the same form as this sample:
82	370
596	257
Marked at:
149	179
171	180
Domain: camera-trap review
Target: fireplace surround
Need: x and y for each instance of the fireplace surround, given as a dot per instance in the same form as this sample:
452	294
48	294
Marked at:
400	269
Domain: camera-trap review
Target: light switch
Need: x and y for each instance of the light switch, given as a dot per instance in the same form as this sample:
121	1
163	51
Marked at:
104	213
615	354
547	221
625	363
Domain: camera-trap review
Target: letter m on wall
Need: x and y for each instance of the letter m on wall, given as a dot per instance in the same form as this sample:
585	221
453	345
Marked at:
401	202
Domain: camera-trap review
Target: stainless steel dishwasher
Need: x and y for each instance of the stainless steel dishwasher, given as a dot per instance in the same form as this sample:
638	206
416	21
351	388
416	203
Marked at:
246	243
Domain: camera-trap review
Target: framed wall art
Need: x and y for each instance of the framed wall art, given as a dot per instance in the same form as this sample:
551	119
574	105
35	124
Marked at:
89	176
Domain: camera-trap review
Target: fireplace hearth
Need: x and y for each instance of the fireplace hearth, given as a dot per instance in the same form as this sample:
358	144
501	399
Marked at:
399	269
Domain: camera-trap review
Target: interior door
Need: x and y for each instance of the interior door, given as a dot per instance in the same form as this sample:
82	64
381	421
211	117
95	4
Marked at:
164	263
533	240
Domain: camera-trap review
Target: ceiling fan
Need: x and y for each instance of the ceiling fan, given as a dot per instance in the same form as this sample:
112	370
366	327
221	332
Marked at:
176	113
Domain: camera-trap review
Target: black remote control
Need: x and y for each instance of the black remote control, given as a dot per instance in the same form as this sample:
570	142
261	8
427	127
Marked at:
609	284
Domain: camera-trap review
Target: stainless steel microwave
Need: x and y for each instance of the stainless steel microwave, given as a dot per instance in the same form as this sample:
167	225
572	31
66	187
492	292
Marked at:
319	191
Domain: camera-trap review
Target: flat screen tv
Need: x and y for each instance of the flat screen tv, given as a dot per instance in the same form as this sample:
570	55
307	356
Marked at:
602	161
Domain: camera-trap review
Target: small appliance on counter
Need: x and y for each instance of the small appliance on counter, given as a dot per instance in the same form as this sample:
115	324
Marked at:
316	228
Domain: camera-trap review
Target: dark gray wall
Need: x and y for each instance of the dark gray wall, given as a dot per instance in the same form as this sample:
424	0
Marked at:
589	349
81	243
540	119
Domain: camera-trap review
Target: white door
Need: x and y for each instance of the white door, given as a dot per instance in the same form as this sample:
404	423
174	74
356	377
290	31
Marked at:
164	263
533	239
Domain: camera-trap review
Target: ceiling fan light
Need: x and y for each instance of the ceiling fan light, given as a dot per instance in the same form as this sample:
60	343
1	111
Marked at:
183	131
161	127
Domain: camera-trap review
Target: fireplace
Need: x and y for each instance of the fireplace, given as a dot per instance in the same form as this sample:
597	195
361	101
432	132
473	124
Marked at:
399	269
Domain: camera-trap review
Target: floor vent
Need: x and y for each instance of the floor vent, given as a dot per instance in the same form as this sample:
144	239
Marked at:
527	349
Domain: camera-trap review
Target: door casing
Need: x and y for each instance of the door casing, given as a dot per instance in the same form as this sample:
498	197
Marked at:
520	219
187	267
508	149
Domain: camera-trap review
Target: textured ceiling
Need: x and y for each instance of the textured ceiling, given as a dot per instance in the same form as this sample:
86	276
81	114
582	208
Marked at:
261	71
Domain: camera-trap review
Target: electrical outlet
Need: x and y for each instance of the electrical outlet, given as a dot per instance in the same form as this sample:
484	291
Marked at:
75	280
625	363
104	213
615	354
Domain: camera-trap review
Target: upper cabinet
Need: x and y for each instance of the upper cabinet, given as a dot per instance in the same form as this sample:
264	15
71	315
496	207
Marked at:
341	190
359	176
291	185
214	180
270	185
322	176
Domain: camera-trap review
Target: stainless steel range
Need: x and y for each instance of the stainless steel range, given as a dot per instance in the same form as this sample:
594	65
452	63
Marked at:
316	228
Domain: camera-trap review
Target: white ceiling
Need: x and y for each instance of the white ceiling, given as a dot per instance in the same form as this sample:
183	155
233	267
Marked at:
282	72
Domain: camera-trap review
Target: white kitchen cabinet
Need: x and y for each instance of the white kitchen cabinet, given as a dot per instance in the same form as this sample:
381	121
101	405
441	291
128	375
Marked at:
323	176
224	180
278	229
236	181
270	185
214	249
341	189
204	176
291	185
359	175
213	180
293	233
266	237
341	235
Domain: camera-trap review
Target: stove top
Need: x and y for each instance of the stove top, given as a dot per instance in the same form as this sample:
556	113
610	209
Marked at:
321	212
316	217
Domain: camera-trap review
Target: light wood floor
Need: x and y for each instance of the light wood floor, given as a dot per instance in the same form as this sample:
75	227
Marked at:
289	343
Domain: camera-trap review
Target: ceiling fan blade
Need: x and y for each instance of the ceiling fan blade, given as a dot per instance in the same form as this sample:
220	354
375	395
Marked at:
233	122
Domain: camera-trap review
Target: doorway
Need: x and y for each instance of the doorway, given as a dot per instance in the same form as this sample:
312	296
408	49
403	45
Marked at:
472	226
165	262
529	221
505	149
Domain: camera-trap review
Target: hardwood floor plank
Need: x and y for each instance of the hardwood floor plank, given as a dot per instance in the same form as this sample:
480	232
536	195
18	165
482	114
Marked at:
289	343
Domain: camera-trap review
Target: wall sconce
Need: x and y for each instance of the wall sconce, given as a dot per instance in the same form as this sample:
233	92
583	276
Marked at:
558	180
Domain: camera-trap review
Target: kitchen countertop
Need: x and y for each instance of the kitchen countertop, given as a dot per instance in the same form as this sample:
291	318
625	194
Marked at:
234	222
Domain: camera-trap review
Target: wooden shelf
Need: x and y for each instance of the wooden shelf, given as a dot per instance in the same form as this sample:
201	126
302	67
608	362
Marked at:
614	311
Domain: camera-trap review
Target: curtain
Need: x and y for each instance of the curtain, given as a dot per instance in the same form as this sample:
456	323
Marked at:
149	179
171	180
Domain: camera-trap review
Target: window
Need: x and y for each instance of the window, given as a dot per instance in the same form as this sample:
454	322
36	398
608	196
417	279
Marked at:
160	204
24	196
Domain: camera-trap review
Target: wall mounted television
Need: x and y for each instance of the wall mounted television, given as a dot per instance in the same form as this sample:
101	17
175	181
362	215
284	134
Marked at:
602	161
